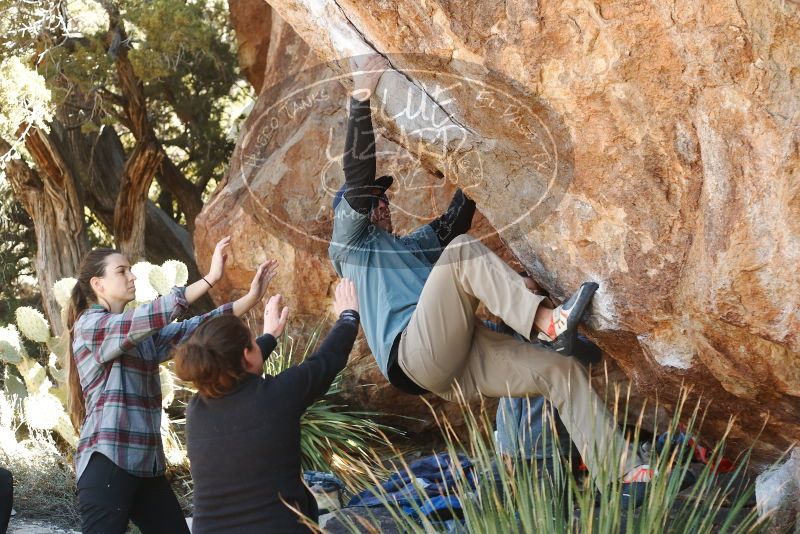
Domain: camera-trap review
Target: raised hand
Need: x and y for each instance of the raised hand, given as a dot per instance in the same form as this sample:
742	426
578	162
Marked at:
264	275
345	297
367	71
275	316
218	260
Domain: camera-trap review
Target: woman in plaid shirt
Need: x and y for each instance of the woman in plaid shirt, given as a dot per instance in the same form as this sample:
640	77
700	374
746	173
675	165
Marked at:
115	391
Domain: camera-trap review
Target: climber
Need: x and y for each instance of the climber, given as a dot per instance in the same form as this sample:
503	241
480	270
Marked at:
418	295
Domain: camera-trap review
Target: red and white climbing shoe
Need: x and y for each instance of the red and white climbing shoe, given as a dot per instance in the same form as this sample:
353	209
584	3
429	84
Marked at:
643	473
563	331
636	483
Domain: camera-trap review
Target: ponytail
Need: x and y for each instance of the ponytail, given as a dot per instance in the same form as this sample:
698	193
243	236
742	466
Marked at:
76	404
93	265
212	357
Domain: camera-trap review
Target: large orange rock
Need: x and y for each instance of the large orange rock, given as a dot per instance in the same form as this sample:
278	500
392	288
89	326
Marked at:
275	199
651	147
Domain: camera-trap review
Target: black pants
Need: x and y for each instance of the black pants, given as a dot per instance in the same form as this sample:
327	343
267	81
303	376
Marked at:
109	496
6	497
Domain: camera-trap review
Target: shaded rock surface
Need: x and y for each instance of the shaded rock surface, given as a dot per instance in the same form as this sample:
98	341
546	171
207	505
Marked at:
652	147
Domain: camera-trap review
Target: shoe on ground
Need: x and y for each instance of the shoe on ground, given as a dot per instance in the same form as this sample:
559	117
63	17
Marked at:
637	482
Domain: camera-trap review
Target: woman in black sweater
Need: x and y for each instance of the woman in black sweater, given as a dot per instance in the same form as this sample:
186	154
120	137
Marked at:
243	430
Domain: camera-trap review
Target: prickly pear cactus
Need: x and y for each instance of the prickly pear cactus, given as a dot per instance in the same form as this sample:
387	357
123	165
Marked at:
43	402
11	349
32	324
63	289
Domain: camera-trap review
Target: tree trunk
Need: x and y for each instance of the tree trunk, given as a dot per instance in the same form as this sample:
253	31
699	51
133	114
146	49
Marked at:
129	222
99	159
188	195
51	199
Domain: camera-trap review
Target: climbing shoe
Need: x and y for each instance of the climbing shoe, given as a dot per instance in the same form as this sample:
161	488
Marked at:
643	473
563	332
636	484
584	350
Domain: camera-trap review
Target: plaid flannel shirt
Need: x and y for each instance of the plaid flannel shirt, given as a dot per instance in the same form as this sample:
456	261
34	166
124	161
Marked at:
118	357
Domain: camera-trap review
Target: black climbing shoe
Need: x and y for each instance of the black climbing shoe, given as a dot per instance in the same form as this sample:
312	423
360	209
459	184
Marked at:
567	317
584	350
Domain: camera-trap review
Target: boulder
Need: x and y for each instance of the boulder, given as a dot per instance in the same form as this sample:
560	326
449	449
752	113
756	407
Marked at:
778	495
651	147
275	202
251	18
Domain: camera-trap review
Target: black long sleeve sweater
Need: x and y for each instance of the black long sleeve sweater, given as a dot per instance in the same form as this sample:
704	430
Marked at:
244	447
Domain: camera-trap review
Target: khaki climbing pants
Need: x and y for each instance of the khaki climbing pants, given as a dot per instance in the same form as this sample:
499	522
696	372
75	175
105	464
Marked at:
446	349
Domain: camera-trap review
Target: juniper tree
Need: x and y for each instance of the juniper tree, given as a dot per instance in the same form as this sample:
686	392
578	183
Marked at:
134	110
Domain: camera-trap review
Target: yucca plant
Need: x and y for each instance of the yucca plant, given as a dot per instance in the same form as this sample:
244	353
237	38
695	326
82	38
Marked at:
499	495
334	438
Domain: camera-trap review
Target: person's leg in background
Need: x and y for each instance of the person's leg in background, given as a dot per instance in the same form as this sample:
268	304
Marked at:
6	497
529	427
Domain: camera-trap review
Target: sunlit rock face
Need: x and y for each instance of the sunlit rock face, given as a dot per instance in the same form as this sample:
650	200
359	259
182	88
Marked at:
651	147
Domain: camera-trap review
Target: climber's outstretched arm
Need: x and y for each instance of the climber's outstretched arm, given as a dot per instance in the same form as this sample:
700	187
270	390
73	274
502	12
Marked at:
359	155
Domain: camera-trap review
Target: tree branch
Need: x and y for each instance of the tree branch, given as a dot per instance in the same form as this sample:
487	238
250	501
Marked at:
203	183
187	118
186	193
129	222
